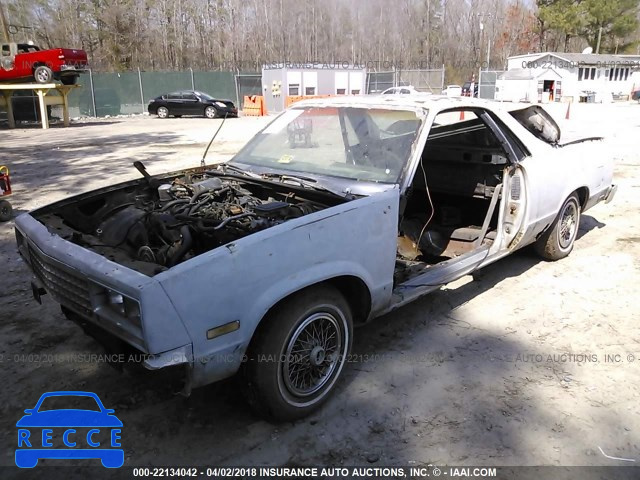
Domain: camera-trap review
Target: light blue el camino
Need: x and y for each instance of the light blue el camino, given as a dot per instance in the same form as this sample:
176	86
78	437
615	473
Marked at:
338	211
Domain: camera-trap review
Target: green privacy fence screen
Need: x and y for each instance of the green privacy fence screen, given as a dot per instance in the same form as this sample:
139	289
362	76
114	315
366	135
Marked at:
124	93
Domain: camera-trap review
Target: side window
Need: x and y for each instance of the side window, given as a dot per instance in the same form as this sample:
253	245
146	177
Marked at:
174	96
5	51
189	96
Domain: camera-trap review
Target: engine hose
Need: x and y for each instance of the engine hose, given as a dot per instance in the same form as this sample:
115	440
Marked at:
193	208
223	223
185	246
167	206
216	191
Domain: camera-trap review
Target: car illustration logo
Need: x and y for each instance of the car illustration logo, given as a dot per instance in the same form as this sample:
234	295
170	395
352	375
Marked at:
53	430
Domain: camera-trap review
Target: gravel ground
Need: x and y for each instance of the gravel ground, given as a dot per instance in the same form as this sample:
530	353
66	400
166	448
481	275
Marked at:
530	363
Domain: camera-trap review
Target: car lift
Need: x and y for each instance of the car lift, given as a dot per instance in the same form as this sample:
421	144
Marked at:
44	100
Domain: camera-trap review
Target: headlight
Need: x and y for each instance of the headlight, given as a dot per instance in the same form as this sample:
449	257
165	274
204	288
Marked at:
220	104
120	305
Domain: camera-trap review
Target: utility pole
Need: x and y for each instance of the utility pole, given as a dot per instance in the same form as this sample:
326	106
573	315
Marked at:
599	38
5	25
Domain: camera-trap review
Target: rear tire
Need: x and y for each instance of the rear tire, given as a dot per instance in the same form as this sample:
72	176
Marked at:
298	353
162	112
43	74
69	79
557	242
6	211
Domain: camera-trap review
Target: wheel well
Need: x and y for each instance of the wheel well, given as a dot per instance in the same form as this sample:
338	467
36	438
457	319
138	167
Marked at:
36	65
583	196
357	295
355	292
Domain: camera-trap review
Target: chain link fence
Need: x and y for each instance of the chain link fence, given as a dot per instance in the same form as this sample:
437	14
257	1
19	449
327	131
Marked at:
431	81
125	93
247	85
487	83
378	82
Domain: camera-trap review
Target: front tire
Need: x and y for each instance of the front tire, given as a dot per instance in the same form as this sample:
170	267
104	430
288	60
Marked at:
210	112
298	354
162	112
43	74
557	242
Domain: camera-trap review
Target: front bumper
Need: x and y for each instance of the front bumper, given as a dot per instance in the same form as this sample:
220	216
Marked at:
228	111
610	193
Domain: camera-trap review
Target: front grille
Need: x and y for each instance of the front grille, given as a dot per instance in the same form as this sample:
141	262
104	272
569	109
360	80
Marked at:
65	286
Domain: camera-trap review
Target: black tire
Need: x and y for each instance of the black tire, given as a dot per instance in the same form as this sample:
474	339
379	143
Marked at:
162	112
6	211
307	336
211	112
557	242
43	74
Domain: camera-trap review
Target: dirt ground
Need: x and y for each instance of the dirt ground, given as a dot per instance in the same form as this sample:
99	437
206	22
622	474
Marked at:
531	363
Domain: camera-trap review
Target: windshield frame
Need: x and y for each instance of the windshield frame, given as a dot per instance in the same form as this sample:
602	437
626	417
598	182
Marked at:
352	185
204	96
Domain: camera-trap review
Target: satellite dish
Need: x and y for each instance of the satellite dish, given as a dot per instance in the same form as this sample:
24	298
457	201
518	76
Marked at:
588	50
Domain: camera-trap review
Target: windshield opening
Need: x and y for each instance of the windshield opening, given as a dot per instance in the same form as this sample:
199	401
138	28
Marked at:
365	144
66	402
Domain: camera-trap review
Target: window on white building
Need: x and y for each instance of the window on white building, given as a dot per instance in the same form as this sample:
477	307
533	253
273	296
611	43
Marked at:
587	73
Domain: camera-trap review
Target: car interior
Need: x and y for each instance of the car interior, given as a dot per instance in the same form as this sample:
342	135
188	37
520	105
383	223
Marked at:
452	204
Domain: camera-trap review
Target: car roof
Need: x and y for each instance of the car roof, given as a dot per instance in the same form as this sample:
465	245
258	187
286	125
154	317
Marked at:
418	100
182	92
69	394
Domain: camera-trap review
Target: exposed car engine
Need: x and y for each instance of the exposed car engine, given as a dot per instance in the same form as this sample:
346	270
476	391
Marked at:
156	226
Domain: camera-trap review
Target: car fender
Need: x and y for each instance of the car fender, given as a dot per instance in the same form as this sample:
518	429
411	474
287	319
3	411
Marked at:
241	281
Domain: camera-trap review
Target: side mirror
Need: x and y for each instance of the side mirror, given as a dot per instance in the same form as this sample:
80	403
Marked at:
109	411
29	411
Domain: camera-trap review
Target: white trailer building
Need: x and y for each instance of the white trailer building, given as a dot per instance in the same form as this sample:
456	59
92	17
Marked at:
550	76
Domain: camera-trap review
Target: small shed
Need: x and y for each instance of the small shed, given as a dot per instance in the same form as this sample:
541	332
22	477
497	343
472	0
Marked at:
283	84
529	85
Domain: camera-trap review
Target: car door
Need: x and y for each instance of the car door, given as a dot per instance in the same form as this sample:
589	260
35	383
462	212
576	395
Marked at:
508	201
191	104
174	103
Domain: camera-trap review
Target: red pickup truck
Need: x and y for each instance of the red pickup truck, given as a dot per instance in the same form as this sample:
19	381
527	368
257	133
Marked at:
27	62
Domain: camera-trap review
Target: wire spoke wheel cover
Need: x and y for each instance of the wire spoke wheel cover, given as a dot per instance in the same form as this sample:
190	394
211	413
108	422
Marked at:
298	354
313	354
557	242
568	225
